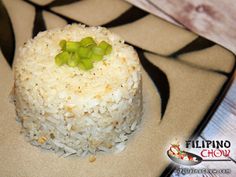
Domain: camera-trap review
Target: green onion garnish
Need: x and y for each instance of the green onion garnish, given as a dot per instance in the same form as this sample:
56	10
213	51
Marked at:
106	47
88	64
108	50
95	57
82	53
103	45
72	46
63	44
74	60
98	51
85	42
62	58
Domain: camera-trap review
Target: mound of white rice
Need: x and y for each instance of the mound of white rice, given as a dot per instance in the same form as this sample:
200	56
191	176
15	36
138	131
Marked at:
72	111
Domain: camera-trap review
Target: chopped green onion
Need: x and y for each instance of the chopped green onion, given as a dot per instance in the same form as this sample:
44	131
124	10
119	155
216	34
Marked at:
62	58
108	50
74	60
103	45
85	42
106	47
63	44
95	57
72	46
98	51
86	64
84	52
58	61
81	66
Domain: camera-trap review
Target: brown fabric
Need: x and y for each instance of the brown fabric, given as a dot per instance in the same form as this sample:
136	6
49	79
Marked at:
193	88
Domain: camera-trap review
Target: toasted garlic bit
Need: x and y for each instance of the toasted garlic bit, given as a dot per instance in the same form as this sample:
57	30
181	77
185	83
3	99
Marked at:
95	143
42	140
92	158
74	128
69	109
123	60
108	145
24	118
52	136
69	112
115	123
104	63
130	70
108	88
98	96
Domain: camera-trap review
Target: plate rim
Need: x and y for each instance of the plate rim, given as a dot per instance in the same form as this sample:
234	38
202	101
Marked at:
168	171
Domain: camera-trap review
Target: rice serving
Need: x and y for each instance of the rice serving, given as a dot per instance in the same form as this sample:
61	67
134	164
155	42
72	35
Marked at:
72	111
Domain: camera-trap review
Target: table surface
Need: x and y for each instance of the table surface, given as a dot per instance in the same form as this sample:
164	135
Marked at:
223	123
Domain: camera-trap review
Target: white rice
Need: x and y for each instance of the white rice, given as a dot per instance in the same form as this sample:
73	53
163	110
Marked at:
72	111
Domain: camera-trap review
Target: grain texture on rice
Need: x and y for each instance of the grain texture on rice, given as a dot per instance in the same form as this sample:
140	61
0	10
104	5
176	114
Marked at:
72	111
